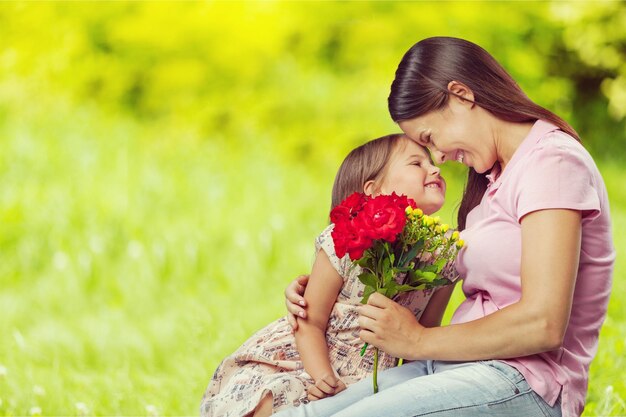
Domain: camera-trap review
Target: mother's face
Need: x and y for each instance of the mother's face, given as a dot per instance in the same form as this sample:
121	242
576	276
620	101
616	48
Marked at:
459	132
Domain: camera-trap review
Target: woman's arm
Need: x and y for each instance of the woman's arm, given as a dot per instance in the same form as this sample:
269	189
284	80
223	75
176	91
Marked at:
551	241
321	293
436	307
296	304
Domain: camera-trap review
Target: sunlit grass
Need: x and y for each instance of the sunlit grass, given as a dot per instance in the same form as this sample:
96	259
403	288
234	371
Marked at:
131	264
165	168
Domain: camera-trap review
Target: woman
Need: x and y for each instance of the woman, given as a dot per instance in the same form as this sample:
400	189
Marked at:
538	263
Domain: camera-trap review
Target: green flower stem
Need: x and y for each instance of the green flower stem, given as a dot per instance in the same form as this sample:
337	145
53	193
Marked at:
375	376
363	349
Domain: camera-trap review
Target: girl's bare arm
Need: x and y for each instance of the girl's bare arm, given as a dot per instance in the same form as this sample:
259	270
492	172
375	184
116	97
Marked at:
436	307
321	293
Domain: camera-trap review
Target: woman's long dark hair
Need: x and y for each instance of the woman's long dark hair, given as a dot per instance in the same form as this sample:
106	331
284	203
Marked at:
421	86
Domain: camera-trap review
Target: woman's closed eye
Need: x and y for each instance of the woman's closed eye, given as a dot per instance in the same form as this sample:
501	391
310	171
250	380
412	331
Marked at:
425	139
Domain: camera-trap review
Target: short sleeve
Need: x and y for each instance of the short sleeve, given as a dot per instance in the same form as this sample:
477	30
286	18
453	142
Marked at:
559	174
325	242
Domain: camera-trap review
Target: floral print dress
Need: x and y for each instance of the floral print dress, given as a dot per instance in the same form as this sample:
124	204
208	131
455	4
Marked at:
269	362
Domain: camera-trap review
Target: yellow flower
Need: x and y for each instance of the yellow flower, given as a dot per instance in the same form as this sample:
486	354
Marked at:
437	219
418	212
438	229
428	221
455	235
460	243
445	228
408	210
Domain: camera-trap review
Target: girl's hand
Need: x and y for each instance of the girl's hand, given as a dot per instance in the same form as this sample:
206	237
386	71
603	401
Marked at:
294	300
327	386
387	325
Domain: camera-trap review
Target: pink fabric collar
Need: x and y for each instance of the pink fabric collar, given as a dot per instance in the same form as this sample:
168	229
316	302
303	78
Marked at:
539	130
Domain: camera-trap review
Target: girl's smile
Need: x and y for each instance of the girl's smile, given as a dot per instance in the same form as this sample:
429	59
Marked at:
411	172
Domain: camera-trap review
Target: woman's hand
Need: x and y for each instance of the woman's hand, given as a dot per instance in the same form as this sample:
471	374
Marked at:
387	325
327	386
294	300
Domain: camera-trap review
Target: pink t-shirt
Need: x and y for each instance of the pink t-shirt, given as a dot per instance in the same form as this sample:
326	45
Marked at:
549	170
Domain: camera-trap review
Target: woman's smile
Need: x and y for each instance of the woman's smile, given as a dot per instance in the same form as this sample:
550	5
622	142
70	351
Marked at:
460	156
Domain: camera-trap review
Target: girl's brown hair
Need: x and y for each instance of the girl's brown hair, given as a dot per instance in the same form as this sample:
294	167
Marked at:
365	163
421	86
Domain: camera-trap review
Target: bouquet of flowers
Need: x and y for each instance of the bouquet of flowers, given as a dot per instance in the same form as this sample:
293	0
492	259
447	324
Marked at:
398	247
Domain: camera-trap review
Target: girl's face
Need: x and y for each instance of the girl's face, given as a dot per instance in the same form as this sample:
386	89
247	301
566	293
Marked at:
458	132
412	173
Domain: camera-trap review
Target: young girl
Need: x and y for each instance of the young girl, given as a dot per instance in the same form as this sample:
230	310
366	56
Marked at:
275	368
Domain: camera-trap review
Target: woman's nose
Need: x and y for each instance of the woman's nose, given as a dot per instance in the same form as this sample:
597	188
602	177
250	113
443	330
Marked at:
438	156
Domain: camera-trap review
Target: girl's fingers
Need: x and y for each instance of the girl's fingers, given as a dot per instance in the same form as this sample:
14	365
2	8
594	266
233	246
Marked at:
312	397
315	393
326	385
340	387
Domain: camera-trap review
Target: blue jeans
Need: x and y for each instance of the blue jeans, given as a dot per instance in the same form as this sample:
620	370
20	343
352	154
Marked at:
436	388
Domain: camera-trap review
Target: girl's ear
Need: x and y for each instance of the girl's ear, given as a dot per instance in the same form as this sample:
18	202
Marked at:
370	188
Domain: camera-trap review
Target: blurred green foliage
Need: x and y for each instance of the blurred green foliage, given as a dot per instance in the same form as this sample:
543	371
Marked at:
165	167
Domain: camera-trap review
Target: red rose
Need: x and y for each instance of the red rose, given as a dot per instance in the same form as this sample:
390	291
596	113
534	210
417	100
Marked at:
359	220
348	208
351	240
403	201
347	235
384	217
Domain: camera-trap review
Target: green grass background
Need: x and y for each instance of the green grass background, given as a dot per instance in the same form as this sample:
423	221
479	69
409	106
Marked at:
165	168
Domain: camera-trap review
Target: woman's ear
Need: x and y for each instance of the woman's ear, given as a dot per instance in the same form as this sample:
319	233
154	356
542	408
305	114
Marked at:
370	188
462	92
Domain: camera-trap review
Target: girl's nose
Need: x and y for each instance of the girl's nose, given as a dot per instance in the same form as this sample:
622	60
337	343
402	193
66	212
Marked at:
434	170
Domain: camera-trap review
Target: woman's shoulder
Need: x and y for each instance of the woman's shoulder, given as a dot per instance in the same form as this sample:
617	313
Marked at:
559	150
565	145
558	172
